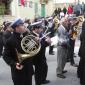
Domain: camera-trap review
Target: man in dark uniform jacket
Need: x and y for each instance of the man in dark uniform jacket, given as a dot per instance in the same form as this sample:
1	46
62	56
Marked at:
81	67
4	35
7	32
21	72
70	29
1	43
40	62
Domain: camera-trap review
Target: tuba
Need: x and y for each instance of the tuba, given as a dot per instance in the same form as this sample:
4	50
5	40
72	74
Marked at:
30	46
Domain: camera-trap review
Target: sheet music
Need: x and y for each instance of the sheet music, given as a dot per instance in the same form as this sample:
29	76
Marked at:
54	40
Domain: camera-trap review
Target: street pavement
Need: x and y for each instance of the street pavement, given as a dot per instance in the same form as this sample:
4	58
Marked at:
71	76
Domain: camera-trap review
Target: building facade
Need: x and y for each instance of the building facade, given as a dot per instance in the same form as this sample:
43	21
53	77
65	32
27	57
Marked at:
31	8
62	3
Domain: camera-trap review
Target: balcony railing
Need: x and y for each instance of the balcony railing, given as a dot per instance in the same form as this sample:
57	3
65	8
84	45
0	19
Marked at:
44	1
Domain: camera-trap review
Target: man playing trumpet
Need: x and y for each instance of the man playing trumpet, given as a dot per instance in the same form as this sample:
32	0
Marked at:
40	62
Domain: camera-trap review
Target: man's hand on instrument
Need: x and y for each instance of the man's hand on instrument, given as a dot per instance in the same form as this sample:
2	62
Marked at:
19	66
48	40
37	39
73	38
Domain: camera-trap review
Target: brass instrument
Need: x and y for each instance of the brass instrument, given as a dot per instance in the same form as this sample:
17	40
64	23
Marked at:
30	46
56	22
81	18
77	26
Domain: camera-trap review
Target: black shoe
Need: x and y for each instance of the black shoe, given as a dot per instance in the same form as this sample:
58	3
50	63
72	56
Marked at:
82	84
75	56
64	71
67	60
61	76
1	55
78	75
45	82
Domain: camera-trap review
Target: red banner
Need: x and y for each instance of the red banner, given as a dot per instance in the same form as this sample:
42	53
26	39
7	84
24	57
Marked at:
22	2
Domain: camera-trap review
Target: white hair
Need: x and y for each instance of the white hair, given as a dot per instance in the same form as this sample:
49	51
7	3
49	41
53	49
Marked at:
63	19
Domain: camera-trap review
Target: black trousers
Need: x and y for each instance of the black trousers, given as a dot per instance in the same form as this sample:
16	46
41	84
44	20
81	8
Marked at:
22	77
81	71
1	43
1	46
41	69
71	51
51	48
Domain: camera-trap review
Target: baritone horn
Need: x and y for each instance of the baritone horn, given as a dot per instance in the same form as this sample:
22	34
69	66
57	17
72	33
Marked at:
81	18
77	26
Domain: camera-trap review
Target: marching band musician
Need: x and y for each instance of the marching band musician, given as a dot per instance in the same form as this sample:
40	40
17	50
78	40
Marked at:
7	32
51	29
40	62
28	22
72	38
21	73
4	35
81	67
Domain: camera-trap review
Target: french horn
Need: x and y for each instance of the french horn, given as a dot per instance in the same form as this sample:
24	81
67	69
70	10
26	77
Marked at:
30	46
